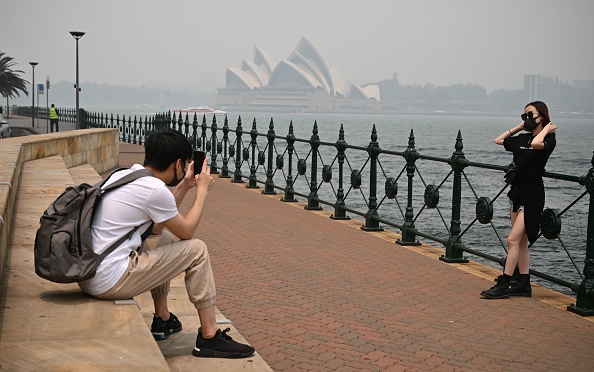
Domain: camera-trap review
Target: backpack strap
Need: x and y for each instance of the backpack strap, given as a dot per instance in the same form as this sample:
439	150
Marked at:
122	181
112	247
126	179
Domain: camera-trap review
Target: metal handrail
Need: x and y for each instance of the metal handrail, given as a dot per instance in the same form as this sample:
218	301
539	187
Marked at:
259	159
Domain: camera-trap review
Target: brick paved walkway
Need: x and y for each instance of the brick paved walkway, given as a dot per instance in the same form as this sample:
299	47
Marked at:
314	294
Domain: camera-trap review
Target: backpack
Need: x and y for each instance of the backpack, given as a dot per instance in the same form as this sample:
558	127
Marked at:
64	243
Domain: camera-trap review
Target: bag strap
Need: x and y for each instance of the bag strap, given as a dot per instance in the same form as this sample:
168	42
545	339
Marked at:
112	247
122	181
126	179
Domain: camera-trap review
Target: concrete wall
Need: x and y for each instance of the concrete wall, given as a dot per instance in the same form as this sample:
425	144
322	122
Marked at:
97	147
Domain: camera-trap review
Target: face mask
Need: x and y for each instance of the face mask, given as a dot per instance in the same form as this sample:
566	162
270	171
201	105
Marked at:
176	181
530	124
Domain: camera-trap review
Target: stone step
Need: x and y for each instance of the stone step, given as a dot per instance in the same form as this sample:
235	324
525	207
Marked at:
55	327
177	350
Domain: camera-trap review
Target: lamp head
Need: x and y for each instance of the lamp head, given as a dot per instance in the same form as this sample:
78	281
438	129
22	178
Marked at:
77	34
33	64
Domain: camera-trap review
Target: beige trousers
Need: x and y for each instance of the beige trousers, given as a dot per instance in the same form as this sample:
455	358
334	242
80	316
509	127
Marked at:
153	269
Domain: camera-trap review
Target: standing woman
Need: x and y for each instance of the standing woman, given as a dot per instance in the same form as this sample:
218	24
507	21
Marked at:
526	197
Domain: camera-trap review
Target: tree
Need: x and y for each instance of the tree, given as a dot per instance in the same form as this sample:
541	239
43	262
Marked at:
10	81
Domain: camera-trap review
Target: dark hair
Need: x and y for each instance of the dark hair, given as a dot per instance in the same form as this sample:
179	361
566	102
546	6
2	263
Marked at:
162	148
543	110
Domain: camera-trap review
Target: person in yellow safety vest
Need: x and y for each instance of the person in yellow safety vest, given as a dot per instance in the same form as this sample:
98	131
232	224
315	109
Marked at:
53	114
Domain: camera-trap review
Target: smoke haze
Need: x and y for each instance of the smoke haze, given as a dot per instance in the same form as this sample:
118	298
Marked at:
190	43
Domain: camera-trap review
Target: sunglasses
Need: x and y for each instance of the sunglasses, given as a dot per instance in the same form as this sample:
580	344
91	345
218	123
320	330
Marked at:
528	115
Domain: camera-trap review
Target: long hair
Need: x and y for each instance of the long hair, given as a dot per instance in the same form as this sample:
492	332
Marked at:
543	110
162	148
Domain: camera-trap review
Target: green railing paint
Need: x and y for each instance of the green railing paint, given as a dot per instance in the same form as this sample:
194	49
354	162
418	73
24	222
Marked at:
267	166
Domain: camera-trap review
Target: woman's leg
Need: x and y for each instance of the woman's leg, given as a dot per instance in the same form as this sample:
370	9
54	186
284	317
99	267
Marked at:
517	251
524	257
522	287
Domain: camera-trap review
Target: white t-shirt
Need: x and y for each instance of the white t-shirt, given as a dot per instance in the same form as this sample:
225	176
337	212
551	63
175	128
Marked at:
138	203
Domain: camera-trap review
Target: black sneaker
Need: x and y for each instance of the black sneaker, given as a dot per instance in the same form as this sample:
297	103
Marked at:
220	346
497	291
162	329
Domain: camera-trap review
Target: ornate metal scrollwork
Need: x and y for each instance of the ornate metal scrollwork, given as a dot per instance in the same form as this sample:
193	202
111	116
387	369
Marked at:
261	157
391	188
232	150
431	196
550	223
280	161
355	179
484	210
326	173
246	154
301	166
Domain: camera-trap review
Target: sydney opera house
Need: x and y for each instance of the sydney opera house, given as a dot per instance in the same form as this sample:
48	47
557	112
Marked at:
301	83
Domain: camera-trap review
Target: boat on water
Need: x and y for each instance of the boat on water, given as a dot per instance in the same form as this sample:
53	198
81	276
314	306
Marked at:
201	110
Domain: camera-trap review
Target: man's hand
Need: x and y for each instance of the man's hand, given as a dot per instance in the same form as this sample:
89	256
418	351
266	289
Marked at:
189	177
204	180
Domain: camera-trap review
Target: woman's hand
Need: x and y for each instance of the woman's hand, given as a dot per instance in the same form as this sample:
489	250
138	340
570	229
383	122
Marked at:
538	141
550	127
508	133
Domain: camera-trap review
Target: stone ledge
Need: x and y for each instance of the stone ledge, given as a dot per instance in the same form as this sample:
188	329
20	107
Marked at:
51	326
98	147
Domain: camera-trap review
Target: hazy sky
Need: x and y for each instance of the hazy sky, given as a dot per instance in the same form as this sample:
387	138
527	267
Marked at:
176	43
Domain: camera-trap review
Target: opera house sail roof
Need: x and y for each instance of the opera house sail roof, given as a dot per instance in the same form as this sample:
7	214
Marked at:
303	81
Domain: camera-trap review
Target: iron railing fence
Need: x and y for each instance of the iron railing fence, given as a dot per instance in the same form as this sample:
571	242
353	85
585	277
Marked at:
64	114
379	186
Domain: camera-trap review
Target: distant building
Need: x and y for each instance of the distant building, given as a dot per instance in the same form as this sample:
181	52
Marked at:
301	83
560	96
543	88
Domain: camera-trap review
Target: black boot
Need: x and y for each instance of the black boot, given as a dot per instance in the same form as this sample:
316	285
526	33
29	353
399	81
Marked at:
499	290
514	278
523	287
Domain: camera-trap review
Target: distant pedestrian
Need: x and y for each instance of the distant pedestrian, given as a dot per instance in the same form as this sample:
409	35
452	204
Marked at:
527	196
53	114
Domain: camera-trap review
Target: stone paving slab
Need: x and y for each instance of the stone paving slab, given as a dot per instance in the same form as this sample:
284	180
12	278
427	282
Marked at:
315	294
177	349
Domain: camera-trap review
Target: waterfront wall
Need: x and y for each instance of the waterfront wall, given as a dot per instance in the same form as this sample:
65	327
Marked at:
97	147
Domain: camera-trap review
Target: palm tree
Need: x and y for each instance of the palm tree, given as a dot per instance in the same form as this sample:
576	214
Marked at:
10	81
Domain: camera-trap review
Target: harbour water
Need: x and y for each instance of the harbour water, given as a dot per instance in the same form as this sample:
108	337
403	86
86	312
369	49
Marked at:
435	135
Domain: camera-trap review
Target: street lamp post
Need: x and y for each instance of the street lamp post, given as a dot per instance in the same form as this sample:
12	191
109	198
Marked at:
77	35
33	64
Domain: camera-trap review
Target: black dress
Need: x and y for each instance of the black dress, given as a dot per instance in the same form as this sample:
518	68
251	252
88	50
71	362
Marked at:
527	188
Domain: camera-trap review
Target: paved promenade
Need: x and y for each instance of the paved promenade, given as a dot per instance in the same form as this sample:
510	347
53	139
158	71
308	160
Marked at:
314	294
36	126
